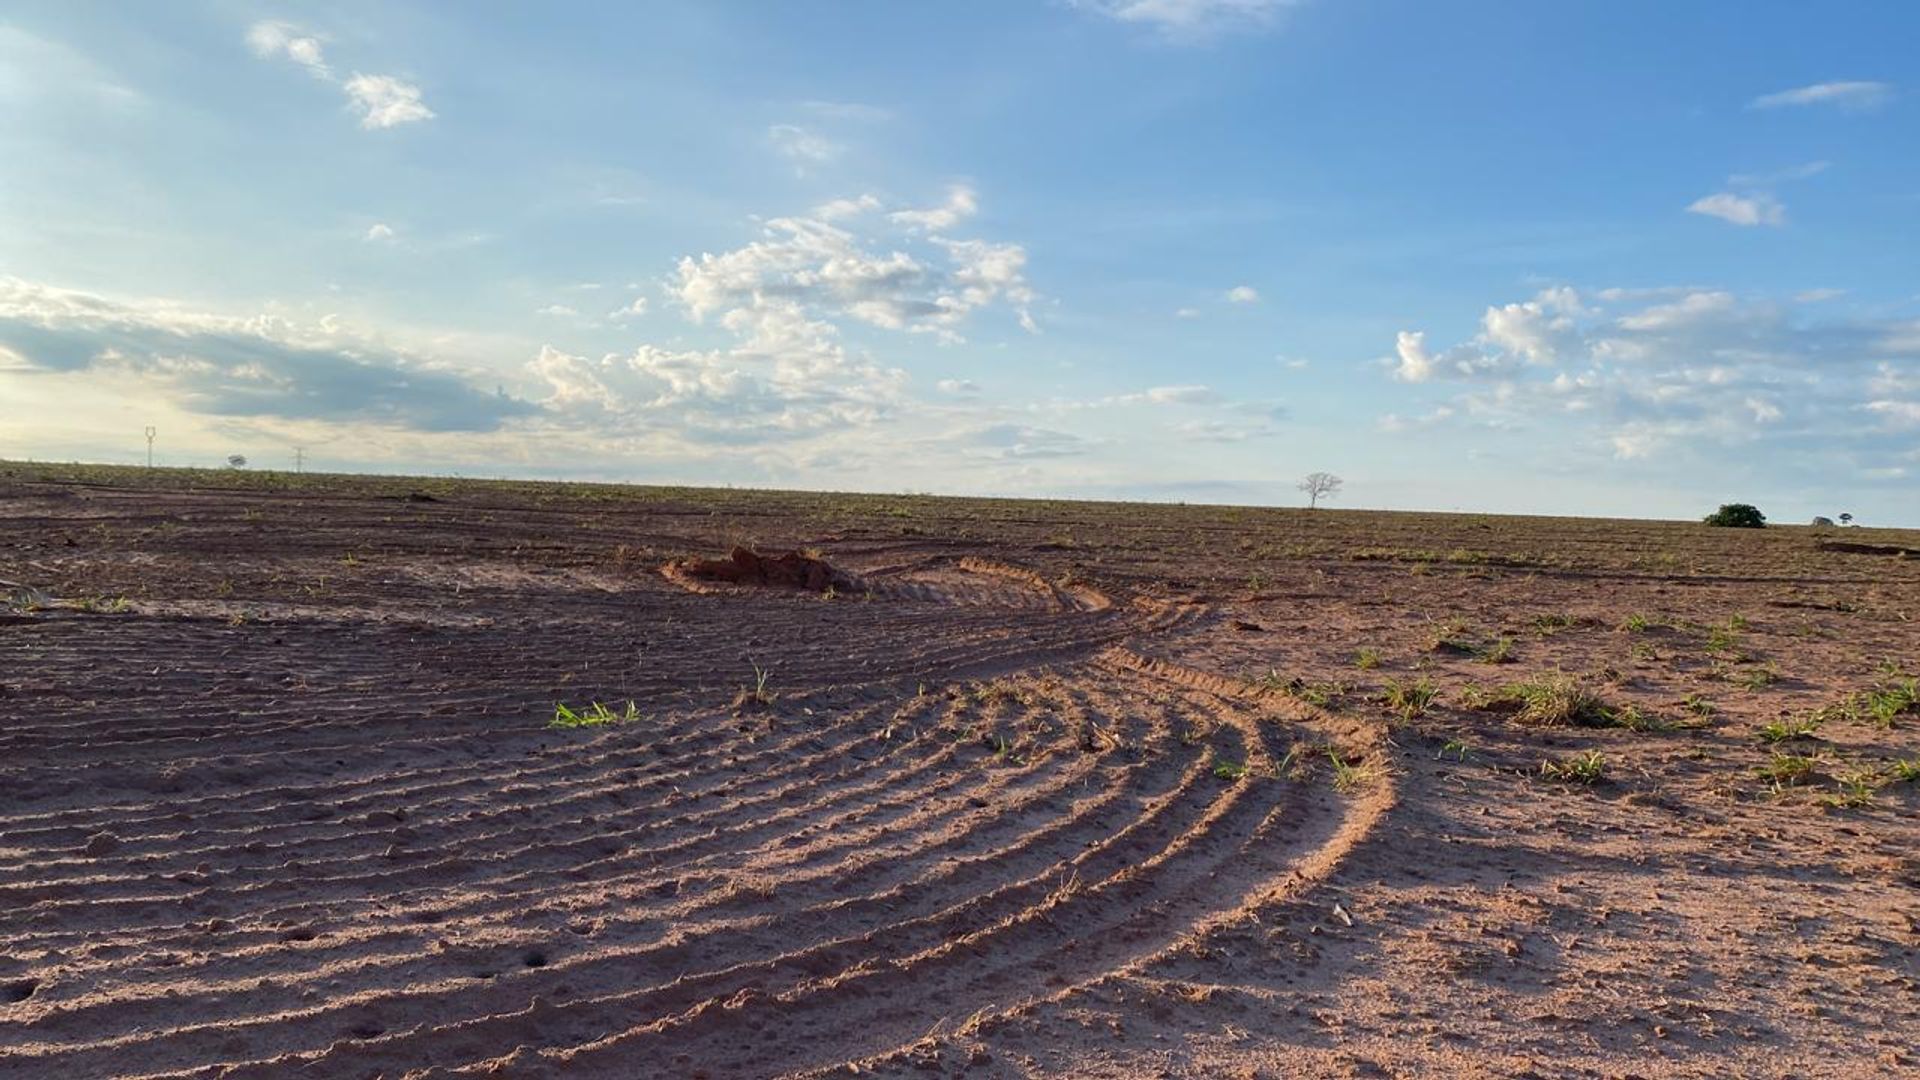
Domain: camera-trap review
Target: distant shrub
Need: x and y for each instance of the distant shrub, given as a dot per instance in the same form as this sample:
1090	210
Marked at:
1738	516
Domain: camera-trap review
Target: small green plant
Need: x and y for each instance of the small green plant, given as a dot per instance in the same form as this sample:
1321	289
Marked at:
102	605
1554	622
1631	718
1410	700
1699	706
1587	768
756	696
1348	775
1754	678
1786	770
1887	702
593	715
1853	790
1553	700
1774	732
1906	771
1366	659
1457	747
1737	516
1636	623
1500	652
1228	770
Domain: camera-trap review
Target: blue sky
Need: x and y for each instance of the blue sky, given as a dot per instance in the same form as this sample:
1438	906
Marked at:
1560	258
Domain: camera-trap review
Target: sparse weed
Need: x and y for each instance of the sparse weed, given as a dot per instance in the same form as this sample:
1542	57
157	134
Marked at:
1348	776
1779	731
1228	770
1786	770
1554	622
1906	771
1853	790
1550	701
1754	679
1366	659
1410	700
1636	623
1500	652
1699	706
756	696
1457	747
593	715
1887	702
1587	768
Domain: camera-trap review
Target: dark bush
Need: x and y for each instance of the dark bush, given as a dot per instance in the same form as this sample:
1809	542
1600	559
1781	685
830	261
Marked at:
1738	516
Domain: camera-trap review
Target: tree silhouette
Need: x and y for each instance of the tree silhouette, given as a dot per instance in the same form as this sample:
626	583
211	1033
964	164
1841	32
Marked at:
1318	485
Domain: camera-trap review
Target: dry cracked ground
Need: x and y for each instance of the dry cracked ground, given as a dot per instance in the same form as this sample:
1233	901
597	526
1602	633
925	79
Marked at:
1015	789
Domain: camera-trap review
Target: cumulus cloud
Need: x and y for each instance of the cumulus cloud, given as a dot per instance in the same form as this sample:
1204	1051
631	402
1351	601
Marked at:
1852	95
379	231
1758	208
1642	373
382	101
1191	19
787	299
1243	294
385	101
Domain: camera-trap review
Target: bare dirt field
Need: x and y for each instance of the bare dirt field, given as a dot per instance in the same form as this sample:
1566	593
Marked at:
970	788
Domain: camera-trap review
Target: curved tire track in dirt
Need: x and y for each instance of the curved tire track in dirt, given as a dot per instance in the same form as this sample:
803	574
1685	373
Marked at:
351	850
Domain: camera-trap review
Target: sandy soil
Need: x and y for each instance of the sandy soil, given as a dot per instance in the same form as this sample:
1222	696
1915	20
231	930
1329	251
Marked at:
1030	790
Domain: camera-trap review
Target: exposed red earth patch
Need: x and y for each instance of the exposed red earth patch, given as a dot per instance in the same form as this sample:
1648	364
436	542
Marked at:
1221	792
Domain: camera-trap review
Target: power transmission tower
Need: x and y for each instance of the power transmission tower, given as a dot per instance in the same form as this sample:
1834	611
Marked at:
299	459
151	432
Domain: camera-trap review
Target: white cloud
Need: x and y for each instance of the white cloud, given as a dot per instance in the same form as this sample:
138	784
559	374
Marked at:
958	387
385	101
1187	313
1191	19
1243	294
557	310
1758	208
1902	414
801	145
379	231
382	101
1692	308
276	39
1815	296
1641	373
638	307
1854	95
838	209
961	204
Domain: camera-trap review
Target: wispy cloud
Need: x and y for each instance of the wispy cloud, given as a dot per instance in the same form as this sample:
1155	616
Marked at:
382	101
1191	20
1243	294
804	147
1853	96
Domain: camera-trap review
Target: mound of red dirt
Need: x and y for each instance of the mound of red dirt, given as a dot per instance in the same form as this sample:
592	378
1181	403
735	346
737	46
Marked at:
780	569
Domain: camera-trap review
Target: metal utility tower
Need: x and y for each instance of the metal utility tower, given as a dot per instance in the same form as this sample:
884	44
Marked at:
151	432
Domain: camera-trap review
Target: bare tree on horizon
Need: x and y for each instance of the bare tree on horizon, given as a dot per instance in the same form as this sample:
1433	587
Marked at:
1318	484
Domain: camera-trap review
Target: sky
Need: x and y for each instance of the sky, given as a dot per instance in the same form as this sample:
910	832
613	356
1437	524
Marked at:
1577	258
